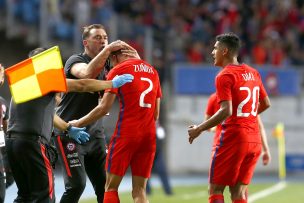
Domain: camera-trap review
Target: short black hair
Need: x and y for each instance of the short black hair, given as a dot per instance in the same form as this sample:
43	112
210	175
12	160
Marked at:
231	41
117	52
36	51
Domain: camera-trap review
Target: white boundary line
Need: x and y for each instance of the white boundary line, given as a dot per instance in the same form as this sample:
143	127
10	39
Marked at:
196	195
264	193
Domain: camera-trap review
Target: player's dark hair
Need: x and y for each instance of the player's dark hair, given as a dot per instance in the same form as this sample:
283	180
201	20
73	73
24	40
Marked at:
87	29
117	52
231	41
36	51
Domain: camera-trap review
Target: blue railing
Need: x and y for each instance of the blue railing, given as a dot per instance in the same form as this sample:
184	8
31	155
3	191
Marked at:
199	80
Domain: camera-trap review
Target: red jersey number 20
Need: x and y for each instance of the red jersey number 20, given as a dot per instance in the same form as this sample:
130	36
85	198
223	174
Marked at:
251	95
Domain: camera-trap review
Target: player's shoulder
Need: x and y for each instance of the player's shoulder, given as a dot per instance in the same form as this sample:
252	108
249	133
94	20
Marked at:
76	56
236	69
248	67
227	71
134	65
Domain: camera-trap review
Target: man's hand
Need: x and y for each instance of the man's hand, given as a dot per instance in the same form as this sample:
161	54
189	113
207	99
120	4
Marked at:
120	80
193	133
115	46
125	48
131	53
266	157
78	134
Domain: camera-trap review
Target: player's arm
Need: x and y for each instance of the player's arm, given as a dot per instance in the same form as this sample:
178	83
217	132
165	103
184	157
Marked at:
264	104
224	112
88	85
78	134
207	116
157	109
99	111
96	65
60	124
91	85
265	150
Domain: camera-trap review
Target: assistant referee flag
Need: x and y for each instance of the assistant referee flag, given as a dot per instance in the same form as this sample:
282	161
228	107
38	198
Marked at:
37	76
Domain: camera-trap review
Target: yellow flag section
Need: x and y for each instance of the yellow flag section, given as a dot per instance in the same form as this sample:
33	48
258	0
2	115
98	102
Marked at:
278	133
37	76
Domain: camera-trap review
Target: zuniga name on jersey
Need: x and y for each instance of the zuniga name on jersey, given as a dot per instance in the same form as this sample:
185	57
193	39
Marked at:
143	68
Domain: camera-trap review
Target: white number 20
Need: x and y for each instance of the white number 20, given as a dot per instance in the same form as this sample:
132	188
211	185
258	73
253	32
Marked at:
255	98
144	93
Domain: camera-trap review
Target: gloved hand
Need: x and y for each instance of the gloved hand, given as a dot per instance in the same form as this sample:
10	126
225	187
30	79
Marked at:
78	134
120	80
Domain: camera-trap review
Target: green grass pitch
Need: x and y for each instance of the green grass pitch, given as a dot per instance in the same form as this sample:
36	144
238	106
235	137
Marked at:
293	192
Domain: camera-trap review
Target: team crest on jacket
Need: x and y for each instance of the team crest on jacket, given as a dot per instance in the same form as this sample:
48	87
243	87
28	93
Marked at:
70	146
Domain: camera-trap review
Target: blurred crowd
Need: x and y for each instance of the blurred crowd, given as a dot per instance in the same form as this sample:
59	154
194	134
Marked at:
272	30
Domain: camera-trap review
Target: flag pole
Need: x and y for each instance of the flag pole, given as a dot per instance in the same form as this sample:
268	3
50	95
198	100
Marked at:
279	134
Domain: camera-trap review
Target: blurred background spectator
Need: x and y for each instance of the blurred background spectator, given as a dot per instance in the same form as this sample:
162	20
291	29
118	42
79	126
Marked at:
272	30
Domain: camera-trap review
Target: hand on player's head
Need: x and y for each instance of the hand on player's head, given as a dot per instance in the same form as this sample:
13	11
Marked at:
130	53
116	45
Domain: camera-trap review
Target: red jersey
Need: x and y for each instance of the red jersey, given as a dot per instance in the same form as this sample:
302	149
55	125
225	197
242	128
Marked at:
242	85
212	107
137	99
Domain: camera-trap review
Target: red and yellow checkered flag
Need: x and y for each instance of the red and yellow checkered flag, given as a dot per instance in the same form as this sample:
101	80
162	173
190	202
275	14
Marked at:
37	76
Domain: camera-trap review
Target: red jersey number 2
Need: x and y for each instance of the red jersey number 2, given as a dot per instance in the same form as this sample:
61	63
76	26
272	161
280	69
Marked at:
144	93
251	94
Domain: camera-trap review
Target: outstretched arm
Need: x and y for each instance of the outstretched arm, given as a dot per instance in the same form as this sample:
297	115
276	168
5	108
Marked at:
60	124
78	134
91	85
224	112
207	116
99	111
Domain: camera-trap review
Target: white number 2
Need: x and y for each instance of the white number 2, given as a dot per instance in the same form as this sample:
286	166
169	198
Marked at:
144	93
254	96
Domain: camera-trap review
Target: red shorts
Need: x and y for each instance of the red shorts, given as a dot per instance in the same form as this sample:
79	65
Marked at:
136	152
234	163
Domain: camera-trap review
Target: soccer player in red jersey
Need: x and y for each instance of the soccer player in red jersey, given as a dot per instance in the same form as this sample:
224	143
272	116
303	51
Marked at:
133	141
213	106
241	96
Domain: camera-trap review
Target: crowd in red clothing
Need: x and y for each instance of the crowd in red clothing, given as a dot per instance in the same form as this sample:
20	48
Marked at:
271	29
